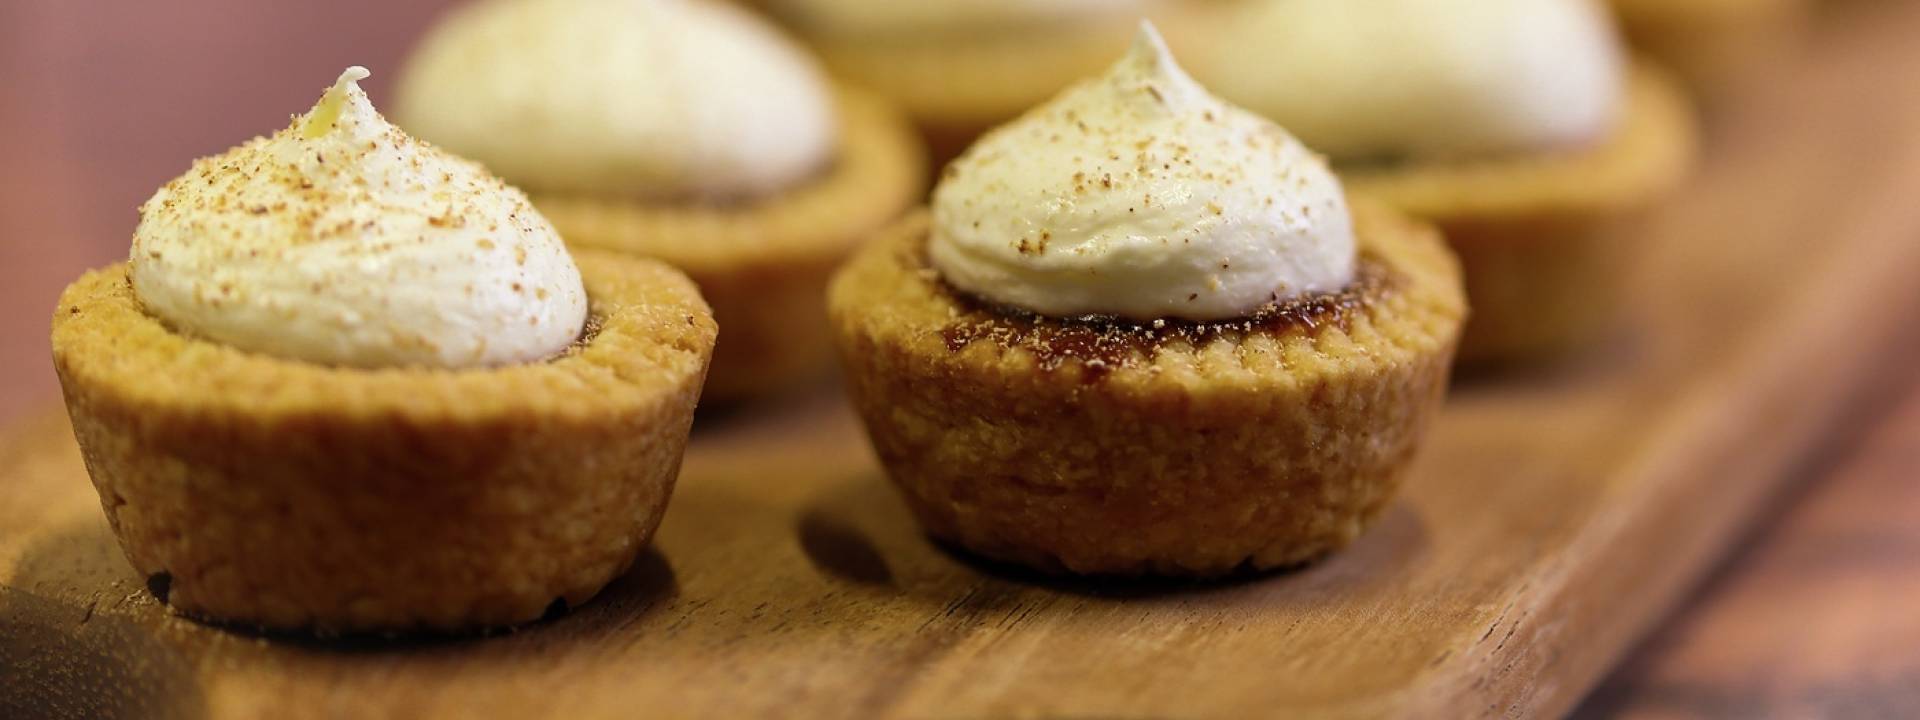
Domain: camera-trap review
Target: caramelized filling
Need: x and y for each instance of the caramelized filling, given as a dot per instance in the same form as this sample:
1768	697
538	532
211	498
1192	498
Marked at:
1099	344
588	332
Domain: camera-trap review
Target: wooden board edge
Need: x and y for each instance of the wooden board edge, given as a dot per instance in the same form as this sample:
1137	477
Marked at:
1708	438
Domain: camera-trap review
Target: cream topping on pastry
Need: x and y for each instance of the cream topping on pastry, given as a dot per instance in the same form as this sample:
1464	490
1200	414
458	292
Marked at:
1140	195
641	99
1439	79
341	240
881	17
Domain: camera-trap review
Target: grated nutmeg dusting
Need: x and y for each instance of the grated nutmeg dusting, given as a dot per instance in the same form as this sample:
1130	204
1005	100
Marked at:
343	240
1138	194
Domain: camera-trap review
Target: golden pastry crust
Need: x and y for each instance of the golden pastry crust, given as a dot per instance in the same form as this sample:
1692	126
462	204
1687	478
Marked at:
1098	451
1709	41
763	266
297	496
1544	240
957	86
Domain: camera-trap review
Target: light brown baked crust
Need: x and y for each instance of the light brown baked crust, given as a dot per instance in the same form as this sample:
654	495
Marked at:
1202	452
957	86
297	496
1708	42
764	265
1545	241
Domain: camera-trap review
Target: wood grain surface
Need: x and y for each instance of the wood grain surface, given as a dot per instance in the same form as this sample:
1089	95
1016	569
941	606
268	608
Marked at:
1552	520
1814	618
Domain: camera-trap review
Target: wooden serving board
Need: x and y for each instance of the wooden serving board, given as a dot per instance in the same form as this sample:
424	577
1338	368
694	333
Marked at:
1552	517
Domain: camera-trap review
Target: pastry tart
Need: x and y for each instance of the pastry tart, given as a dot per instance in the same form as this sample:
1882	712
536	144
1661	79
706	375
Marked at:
961	67
1097	446
293	495
688	131
346	382
1522	128
764	265
1548	241
1141	332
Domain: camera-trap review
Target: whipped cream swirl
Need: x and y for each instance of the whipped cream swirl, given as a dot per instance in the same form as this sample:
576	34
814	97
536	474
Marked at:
884	17
1437	79
656	100
1140	195
340	240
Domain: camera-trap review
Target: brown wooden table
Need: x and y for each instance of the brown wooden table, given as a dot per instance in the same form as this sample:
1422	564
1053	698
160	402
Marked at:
1814	619
1816	616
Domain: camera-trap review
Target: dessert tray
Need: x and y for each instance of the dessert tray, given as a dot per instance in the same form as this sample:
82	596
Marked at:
1552	518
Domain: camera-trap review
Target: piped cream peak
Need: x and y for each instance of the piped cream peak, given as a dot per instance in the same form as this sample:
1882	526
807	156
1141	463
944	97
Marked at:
341	240
1423	79
1149	51
663	102
1151	66
1138	194
323	116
